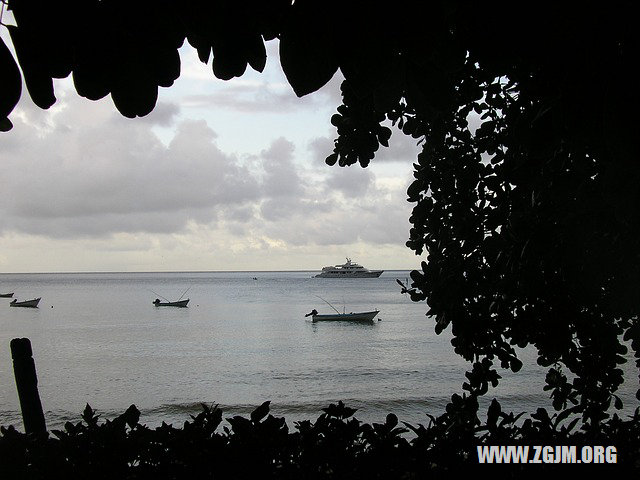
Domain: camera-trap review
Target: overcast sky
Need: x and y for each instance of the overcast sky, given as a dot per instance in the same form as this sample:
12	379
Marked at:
220	176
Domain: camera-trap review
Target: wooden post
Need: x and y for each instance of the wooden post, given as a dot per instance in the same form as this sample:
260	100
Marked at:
24	369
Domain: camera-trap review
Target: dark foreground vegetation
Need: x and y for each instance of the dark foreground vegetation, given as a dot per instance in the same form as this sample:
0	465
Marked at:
335	446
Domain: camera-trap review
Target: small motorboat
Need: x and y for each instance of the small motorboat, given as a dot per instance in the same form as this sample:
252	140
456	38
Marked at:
26	303
6	295
168	303
341	317
179	303
345	317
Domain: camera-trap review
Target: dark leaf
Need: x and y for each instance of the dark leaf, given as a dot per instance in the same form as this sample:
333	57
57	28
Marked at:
306	55
240	425
493	413
339	410
38	80
618	402
5	125
331	159
256	53
131	416
228	62
260	412
391	421
89	416
11	85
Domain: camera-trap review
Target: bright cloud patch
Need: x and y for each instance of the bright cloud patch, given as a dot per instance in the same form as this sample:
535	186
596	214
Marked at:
98	191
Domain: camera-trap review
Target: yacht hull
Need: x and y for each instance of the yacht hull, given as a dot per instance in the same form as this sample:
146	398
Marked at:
369	274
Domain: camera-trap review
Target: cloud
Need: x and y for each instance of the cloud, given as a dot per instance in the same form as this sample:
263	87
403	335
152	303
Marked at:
83	173
320	148
246	98
376	221
163	114
402	148
260	97
352	182
281	178
113	175
283	185
267	92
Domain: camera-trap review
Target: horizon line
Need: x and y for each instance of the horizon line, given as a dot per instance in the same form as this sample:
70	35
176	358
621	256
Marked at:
178	271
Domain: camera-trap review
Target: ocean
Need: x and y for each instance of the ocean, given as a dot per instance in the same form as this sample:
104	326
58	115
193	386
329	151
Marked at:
244	339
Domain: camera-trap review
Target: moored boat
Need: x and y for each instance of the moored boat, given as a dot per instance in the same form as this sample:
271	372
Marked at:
348	270
345	317
26	303
6	295
179	303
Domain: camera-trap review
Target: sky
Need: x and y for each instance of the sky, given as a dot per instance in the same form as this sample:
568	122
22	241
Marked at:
222	175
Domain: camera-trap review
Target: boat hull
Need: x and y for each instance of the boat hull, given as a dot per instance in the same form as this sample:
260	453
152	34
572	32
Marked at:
346	317
369	274
27	303
6	295
180	303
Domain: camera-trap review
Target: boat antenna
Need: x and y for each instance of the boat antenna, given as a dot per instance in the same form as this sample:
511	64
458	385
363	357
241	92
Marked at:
159	295
328	304
185	292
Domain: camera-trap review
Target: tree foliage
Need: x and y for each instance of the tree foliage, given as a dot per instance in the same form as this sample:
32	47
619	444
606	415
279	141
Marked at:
335	446
526	191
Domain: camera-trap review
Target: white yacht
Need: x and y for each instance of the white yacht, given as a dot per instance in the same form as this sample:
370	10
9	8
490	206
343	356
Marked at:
349	270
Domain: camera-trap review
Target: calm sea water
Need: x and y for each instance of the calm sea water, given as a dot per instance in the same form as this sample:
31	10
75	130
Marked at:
244	339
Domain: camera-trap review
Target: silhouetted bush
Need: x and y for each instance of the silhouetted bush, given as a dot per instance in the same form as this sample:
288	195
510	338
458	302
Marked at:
335	446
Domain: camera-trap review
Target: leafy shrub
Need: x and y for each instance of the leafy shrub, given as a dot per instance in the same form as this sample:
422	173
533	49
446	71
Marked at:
335	446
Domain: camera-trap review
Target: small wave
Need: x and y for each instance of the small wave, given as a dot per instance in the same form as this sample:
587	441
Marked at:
408	409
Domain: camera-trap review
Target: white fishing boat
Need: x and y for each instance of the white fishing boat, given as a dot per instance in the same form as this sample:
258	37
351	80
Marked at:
345	317
171	303
179	303
26	303
348	270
